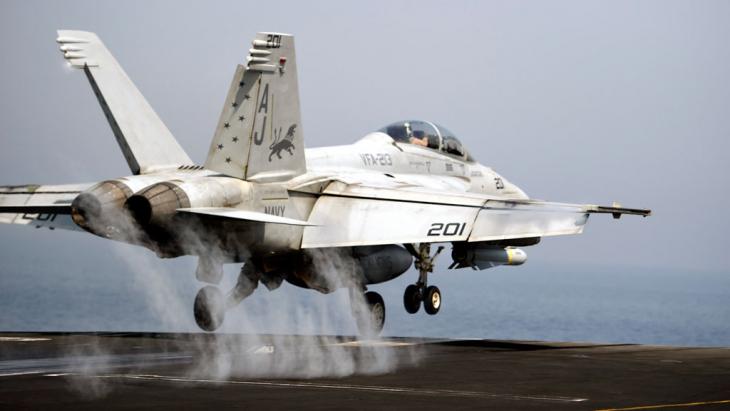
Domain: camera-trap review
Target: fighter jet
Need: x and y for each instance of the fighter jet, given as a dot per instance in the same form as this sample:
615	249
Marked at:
366	211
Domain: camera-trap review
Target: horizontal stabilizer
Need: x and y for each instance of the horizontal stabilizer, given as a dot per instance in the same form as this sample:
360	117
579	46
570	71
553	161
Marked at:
39	206
38	209
37	198
237	214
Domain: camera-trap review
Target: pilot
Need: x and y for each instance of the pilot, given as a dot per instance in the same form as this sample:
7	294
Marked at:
419	138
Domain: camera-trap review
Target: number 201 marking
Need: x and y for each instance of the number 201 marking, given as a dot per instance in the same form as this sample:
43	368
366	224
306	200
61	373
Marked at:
273	41
449	229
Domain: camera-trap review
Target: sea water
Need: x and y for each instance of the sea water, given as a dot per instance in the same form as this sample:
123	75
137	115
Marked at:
537	301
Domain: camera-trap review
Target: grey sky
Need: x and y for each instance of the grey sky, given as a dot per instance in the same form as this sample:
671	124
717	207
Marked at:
573	101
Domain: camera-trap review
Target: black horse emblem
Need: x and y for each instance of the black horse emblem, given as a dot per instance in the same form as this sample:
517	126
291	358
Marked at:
283	144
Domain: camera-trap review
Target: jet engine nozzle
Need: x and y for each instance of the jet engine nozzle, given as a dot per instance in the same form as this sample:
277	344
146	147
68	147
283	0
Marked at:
156	204
486	256
98	209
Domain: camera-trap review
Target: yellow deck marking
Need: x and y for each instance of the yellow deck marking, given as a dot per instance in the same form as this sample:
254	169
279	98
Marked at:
653	407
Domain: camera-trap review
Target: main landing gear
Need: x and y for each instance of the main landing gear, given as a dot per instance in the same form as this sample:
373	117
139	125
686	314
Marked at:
421	291
210	304
369	312
209	308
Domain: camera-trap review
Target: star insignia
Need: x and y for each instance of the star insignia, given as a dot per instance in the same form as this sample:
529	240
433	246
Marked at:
246	97
220	146
241	118
241	84
234	104
226	125
235	139
228	159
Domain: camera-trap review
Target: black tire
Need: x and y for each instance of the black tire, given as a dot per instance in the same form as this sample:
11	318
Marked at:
370	323
209	308
432	300
412	299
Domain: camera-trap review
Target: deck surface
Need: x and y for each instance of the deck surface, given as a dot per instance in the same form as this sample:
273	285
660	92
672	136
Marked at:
199	371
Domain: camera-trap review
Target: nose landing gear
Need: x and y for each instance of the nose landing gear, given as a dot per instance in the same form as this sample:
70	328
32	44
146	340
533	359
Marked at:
412	298
432	300
421	291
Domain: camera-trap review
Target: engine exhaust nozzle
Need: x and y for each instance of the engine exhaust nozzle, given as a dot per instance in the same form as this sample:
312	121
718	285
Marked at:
156	204
97	209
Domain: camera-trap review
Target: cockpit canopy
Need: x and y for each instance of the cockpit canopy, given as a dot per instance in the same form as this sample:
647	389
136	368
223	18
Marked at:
427	134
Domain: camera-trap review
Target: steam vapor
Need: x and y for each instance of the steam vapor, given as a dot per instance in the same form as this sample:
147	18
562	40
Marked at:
302	352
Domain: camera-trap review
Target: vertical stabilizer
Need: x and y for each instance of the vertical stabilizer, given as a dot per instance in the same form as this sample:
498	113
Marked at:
145	141
259	134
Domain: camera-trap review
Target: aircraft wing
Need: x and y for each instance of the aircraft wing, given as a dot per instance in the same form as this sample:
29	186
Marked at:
359	214
46	206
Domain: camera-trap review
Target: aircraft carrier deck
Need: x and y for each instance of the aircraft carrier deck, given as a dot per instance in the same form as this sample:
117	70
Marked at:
199	371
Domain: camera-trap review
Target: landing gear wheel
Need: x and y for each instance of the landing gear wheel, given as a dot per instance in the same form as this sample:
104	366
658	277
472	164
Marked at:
431	296
412	298
209	308
370	322
432	300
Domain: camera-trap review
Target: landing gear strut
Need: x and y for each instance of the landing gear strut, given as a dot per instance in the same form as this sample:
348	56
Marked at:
421	291
210	304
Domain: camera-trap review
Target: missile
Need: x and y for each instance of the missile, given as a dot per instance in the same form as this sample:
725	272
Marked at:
482	256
